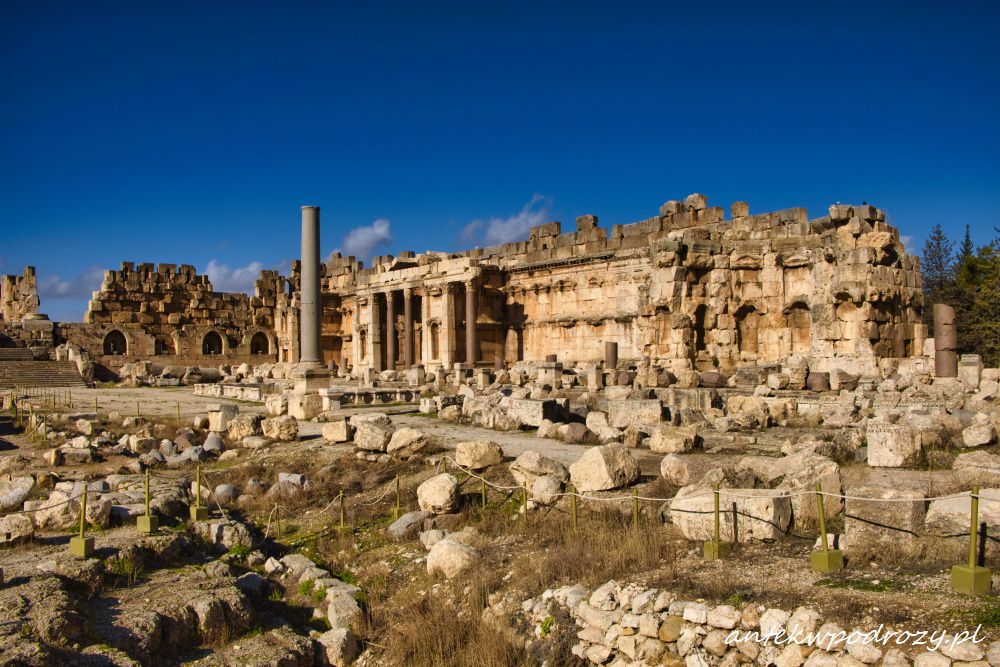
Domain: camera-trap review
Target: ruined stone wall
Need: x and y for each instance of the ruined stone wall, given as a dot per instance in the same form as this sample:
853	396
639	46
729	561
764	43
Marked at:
688	288
19	296
172	313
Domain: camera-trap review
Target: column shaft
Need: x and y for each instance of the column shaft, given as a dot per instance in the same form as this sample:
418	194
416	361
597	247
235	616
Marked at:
310	305
407	328
390	332
471	338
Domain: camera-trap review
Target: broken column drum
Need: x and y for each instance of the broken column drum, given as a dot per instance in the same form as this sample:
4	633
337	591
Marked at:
945	341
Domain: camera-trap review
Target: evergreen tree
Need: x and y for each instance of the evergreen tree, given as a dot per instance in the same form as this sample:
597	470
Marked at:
968	248
938	261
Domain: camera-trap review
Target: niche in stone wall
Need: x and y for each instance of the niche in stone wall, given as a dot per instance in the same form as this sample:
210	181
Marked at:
163	344
700	317
115	343
363	344
847	314
747	329
435	340
798	319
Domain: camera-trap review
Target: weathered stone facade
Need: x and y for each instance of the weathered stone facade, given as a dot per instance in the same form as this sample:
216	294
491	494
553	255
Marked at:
19	296
685	289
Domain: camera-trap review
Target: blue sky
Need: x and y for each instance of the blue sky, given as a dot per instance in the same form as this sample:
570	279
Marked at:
191	132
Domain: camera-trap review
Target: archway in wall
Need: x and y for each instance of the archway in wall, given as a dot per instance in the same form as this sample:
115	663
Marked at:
747	328
211	344
115	344
799	322
259	344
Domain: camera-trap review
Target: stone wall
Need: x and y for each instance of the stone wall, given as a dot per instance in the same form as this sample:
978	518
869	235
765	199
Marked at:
19	296
688	288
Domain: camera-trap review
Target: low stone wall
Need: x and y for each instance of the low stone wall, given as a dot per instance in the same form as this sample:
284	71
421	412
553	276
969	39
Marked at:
628	624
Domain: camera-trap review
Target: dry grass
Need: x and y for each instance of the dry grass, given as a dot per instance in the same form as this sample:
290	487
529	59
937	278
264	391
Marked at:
429	629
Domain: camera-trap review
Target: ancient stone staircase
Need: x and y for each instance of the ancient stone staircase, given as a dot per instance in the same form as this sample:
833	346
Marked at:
16	354
39	374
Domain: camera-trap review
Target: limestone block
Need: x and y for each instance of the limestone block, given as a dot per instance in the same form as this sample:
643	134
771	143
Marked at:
284	428
531	412
869	522
337	430
634	412
666	439
604	467
450	558
219	415
950	516
406	442
892	445
372	436
438	494
477	455
970	370
765	516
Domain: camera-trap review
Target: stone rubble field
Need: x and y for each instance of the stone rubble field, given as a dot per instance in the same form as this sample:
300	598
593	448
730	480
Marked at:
306	559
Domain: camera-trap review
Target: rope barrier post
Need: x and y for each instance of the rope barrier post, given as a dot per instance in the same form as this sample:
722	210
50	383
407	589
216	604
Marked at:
178	414
524	503
343	514
97	415
482	491
198	513
635	509
736	527
715	548
397	511
82	546
826	560
277	520
572	505
45	424
148	524
971	579
137	409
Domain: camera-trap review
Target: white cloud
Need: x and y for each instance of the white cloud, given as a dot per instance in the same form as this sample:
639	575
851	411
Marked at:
512	228
57	287
361	242
907	242
225	279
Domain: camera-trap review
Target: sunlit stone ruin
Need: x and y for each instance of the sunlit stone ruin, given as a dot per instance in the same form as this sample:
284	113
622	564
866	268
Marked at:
704	380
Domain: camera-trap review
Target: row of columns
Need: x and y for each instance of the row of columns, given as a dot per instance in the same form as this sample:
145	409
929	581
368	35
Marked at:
448	328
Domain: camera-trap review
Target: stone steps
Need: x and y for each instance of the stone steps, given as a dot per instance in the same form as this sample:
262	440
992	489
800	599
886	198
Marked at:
16	354
40	374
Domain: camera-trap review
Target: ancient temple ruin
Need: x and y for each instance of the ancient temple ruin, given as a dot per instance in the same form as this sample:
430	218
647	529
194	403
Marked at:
688	288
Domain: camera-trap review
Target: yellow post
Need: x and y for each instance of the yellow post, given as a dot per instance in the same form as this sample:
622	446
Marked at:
342	515
82	546
147	524
398	509
482	492
826	560
972	579
277	519
137	408
635	509
572	505
524	502
178	414
715	548
198	513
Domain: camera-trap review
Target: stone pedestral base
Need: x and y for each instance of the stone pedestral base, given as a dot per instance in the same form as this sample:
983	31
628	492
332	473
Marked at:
81	547
971	580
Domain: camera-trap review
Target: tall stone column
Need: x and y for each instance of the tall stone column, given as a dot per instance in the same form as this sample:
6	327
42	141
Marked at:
390	331
471	337
449	326
310	306
610	355
408	328
356	352
374	334
945	341
426	344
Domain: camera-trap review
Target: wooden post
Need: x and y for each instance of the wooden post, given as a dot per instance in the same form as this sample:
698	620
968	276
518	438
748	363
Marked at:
572	505
635	509
342	515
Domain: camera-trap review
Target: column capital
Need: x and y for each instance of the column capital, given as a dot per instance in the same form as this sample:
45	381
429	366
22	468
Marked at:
407	292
